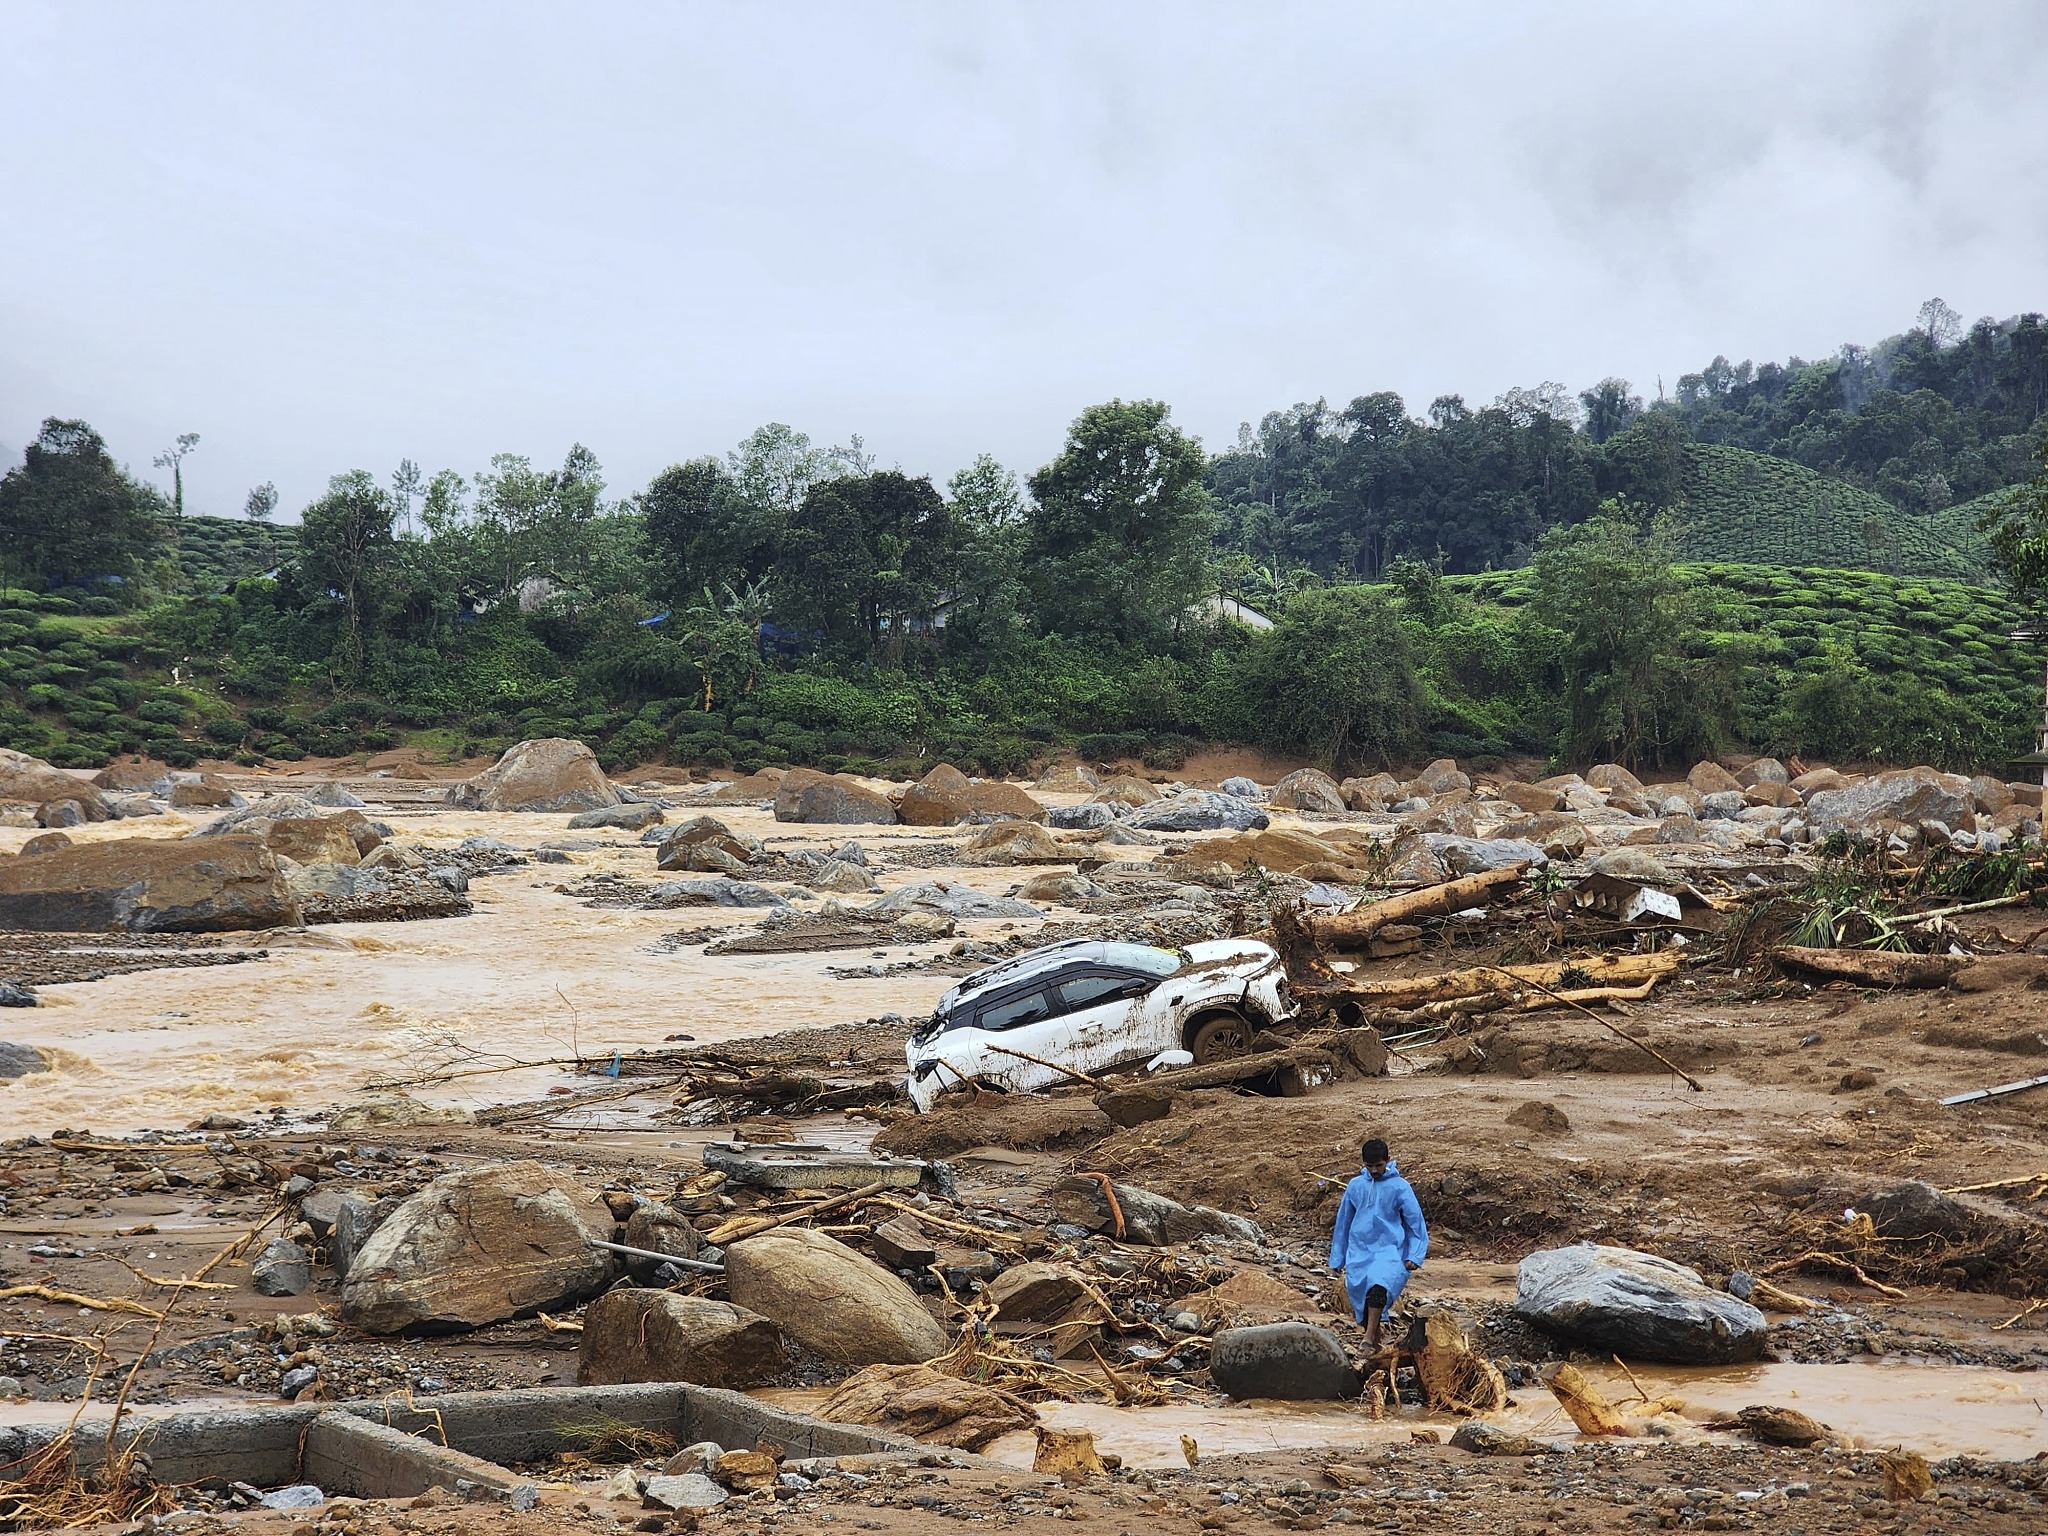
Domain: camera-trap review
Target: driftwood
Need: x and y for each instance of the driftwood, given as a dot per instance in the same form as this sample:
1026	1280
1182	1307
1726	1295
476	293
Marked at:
753	1226
1588	1408
1238	1069
1869	967
1354	930
1603	972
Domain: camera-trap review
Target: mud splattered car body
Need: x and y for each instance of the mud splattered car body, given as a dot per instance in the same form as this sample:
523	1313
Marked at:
1093	1005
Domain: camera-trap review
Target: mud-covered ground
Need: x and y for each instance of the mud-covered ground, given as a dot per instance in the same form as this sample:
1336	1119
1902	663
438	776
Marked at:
191	1096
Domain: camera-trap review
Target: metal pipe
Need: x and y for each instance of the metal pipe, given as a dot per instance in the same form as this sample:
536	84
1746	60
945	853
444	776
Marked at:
660	1258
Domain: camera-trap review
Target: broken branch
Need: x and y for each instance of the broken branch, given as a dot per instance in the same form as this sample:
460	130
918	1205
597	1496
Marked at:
753	1226
1352	930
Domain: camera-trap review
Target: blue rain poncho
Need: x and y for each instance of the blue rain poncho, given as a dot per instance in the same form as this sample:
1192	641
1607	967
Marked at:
1379	1233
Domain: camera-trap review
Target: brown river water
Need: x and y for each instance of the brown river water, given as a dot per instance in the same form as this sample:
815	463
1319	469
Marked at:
1939	1410
531	976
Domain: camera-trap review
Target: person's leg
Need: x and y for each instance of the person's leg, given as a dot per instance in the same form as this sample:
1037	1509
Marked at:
1375	1305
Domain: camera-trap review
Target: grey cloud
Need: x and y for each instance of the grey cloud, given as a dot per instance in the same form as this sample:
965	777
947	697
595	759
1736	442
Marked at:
335	239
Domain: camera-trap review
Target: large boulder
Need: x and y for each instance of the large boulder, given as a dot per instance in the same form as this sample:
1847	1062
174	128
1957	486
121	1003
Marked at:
385	892
293	827
649	1335
939	799
551	774
1069	779
147	885
925	1404
1015	842
708	846
202	792
999	800
1710	778
1088	816
827	799
949	899
1910	796
1636	1305
1440	778
632	816
31	781
1126	790
1765	770
1306	789
1614	778
833	1301
1199	810
1474	855
1374	793
1295	1361
134	775
477	1247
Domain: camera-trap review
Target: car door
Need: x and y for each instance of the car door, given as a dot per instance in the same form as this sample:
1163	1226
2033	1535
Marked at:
1103	1014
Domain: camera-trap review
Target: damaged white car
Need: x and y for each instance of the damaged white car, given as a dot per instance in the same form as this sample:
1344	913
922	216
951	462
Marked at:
1091	1005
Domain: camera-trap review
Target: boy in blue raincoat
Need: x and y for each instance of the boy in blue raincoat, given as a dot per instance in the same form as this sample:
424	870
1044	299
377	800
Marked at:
1380	1238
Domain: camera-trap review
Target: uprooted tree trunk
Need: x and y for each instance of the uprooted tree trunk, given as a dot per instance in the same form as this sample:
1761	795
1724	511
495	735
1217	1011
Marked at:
1594	973
1354	930
1869	968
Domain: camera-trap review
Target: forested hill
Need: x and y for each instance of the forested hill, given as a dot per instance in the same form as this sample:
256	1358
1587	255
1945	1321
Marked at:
1875	458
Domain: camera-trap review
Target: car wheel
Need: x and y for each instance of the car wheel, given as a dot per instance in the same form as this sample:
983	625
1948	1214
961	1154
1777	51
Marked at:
1219	1037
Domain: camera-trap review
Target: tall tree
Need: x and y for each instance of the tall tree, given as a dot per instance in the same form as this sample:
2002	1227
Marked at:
261	504
866	558
68	512
173	459
1117	545
345	542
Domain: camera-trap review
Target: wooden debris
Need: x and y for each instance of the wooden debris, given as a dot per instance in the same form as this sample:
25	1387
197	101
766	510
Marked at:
1869	968
50	1293
1068	1455
753	1226
1355	930
1583	1401
1771	1299
1592	971
1455	1379
1906	1476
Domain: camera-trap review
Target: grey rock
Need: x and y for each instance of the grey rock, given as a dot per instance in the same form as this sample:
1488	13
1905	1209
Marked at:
1633	863
687	1490
629	818
1484	1439
1084	817
451	878
1476	855
1200	810
282	1269
720	891
951	900
1636	1305
297	1496
17	1060
295	1381
551	856
1722	805
1293	1361
13	996
495	846
355	1218
334	797
10	1386
1913	796
1243	788
1119	836
61	813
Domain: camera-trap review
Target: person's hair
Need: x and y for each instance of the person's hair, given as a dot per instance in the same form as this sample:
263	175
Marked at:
1374	1151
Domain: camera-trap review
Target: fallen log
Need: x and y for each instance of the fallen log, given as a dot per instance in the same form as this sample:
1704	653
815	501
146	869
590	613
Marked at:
1354	930
1221	1074
1870	968
1594	973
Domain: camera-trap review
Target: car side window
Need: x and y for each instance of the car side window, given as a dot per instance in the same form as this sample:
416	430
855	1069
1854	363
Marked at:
1011	1012
1087	991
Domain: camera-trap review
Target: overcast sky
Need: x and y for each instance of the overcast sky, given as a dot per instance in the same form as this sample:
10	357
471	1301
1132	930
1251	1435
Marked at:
331	237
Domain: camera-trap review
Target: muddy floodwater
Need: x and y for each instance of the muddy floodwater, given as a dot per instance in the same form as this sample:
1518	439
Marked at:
532	976
1938	1410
